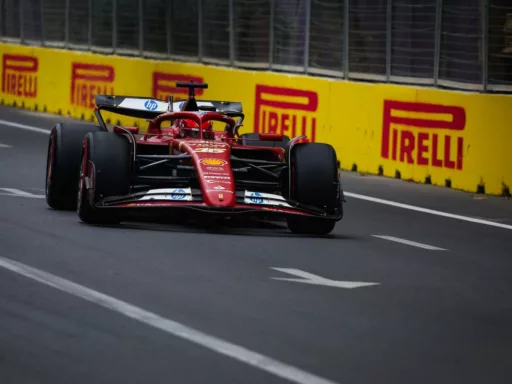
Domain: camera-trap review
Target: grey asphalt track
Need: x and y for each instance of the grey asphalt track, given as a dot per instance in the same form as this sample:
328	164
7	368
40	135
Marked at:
436	316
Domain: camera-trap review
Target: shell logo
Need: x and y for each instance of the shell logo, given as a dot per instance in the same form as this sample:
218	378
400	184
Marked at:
213	162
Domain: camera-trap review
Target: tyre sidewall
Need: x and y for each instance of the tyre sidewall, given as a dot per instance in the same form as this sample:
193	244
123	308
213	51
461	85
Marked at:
106	157
314	175
63	156
314	182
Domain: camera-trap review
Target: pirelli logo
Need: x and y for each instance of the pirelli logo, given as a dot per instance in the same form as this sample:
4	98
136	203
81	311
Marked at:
164	84
423	134
286	111
19	75
89	80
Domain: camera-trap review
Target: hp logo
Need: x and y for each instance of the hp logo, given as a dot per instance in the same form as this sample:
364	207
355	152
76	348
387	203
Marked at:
178	194
256	198
151	105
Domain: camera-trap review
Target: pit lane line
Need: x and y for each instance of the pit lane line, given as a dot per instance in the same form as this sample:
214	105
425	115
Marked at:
213	343
347	194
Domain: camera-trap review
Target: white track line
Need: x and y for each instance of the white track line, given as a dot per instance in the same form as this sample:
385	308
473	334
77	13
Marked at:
426	210
5	146
215	344
408	242
23	126
18	192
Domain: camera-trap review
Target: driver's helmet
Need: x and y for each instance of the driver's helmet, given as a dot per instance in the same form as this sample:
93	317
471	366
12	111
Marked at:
189	128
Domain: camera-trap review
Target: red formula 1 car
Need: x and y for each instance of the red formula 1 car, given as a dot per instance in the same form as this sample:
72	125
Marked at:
185	162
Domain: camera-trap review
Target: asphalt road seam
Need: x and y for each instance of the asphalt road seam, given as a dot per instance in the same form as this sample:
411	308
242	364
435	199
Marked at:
427	210
213	343
409	242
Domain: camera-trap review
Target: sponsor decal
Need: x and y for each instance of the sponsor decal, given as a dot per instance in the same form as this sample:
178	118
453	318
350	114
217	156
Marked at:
141	104
89	80
19	75
151	105
286	111
216	190
209	150
214	168
164	85
217	182
265	199
178	194
423	134
212	161
256	198
217	177
207	144
219	187
169	194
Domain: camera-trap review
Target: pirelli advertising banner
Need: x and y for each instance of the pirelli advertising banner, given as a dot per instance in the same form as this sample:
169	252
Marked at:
463	140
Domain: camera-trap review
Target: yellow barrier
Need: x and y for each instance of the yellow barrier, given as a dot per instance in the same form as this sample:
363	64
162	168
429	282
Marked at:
452	138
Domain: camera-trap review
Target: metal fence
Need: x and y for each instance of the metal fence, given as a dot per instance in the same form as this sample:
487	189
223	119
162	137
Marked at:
463	44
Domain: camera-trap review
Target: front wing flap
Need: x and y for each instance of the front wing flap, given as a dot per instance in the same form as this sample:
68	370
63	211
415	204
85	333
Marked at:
247	202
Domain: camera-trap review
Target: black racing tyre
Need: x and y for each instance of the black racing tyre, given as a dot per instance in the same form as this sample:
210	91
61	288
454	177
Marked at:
63	163
314	181
107	157
253	139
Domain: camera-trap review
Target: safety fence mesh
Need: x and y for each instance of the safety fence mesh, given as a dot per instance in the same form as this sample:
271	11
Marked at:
465	44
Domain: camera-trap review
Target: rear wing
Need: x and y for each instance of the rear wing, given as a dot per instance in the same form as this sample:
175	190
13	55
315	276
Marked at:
150	108
133	106
209	105
229	108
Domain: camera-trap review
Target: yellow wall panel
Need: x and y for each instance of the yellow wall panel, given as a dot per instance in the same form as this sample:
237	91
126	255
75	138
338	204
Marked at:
420	133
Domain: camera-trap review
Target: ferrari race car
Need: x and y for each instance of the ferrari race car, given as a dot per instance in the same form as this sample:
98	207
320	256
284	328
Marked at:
191	159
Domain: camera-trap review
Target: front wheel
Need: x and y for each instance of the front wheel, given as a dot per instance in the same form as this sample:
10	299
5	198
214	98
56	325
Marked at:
314	182
106	163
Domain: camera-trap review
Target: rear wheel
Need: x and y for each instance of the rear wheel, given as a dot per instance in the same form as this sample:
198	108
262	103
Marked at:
63	163
314	181
106	161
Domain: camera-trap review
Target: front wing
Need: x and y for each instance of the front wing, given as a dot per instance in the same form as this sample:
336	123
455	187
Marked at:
247	203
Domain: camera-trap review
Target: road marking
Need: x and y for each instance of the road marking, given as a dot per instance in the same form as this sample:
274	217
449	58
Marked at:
23	126
5	146
309	278
408	242
17	192
213	343
426	210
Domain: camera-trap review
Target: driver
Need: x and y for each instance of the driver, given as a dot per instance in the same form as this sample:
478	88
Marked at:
189	128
